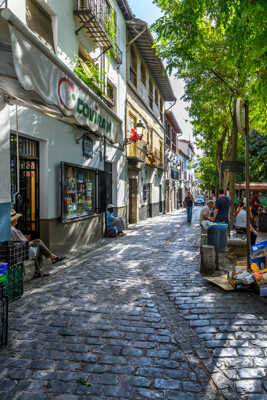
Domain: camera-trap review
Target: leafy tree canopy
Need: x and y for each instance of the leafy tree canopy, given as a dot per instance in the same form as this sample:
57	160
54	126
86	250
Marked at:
219	48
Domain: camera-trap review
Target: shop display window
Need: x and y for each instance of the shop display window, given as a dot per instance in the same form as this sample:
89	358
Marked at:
78	191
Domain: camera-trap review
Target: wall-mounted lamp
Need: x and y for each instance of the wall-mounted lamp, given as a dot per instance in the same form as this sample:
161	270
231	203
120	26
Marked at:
140	128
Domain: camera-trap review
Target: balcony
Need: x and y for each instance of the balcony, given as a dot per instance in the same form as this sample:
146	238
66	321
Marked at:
137	151
154	159
95	16
117	54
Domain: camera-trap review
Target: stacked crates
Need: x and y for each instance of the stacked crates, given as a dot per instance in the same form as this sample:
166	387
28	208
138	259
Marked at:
3	315
14	253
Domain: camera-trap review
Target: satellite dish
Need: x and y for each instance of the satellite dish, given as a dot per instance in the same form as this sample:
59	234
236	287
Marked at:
240	116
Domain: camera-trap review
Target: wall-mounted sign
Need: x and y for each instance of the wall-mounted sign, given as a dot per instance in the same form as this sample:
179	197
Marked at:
232	166
87	147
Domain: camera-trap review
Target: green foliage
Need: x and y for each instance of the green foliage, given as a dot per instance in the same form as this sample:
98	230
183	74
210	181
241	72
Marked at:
219	49
257	157
207	173
89	74
110	24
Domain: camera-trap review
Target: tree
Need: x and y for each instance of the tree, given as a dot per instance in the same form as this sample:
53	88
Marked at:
218	47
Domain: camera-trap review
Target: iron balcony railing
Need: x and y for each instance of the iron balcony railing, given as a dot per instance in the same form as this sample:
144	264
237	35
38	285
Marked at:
3	4
95	16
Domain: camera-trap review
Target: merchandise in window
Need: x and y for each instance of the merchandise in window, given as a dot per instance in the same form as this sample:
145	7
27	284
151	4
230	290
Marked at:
78	191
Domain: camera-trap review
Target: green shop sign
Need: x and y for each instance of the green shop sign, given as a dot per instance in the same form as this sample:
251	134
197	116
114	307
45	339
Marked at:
93	115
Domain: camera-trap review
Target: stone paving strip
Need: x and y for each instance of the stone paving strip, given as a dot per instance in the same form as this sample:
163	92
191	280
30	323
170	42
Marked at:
135	320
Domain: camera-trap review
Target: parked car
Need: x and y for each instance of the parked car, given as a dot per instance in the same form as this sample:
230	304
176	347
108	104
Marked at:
200	201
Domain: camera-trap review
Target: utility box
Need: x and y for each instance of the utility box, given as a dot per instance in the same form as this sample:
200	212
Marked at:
207	259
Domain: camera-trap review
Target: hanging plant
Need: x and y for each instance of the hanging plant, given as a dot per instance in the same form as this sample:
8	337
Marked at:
89	74
110	24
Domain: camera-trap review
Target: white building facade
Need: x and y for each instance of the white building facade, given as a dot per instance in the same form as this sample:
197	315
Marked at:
62	113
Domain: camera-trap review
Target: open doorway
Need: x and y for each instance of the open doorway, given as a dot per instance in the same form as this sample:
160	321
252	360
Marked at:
25	193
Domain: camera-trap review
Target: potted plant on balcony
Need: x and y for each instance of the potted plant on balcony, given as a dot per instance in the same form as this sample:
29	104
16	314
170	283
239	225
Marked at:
89	74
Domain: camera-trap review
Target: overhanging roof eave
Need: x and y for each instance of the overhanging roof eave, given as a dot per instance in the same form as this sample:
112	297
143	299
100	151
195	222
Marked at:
144	44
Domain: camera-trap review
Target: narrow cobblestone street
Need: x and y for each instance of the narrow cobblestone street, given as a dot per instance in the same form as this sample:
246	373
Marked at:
136	320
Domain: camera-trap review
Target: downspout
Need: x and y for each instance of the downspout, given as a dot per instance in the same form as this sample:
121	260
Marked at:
168	109
17	155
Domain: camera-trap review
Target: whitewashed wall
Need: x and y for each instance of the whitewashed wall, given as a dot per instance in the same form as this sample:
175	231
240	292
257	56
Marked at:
57	140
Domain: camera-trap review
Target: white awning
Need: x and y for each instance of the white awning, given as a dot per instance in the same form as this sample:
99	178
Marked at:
34	76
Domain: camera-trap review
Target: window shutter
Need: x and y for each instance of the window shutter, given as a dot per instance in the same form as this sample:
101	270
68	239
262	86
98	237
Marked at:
39	21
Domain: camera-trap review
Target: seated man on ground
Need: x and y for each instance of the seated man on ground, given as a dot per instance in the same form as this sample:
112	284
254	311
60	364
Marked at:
37	249
113	221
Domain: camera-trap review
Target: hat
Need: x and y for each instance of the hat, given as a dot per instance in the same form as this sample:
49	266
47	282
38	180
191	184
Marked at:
110	206
14	215
210	201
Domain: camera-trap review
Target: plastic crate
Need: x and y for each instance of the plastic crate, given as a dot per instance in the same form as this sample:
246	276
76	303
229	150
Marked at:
14	252
3	272
15	282
3	316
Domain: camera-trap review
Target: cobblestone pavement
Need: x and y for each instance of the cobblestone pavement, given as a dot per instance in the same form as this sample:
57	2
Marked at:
135	320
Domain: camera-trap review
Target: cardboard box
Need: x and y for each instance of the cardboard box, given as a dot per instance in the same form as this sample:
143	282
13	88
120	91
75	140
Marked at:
240	268
241	263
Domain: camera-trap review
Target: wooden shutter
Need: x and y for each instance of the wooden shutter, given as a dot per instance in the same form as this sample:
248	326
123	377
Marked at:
39	21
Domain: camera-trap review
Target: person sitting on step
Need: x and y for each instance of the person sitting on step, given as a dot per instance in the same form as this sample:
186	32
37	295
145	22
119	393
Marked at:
37	248
112	221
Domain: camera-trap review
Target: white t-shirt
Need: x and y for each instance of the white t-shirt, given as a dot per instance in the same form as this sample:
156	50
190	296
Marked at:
241	219
204	212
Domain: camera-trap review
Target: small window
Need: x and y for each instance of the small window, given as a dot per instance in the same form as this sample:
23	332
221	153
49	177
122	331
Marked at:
151	90
39	21
157	97
161	105
150	141
160	150
143	73
133	66
111	94
131	123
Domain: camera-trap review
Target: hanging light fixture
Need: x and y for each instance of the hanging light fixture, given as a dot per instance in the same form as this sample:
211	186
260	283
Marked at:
140	129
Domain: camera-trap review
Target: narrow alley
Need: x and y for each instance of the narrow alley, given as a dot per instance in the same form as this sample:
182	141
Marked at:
135	320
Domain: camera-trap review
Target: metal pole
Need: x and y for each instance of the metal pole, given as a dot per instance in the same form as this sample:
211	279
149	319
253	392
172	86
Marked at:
247	180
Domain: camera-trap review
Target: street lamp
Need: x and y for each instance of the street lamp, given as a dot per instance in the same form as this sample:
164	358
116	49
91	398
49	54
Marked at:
140	128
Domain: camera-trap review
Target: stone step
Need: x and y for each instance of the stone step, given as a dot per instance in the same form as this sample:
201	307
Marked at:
29	269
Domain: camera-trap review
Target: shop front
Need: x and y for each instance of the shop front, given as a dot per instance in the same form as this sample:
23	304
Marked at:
64	160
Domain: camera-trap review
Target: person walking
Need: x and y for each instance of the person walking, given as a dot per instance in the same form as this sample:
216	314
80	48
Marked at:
188	204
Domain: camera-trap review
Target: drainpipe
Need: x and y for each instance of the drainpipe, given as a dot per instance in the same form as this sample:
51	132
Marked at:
17	155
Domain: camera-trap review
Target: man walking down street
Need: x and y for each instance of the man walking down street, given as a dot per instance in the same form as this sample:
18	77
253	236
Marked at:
222	206
188	203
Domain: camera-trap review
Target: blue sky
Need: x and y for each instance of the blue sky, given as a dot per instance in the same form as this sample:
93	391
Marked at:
146	10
